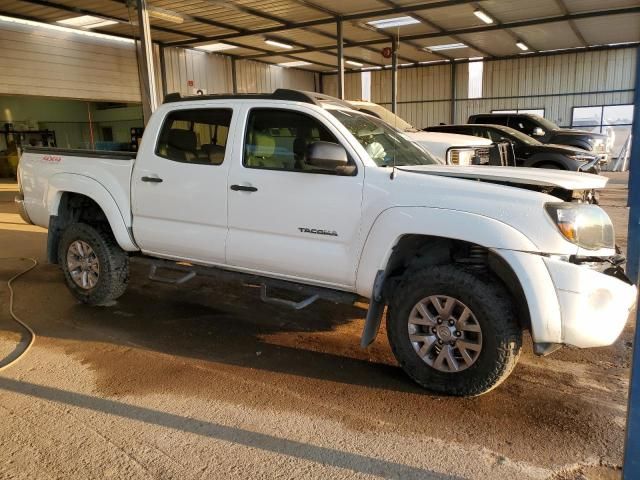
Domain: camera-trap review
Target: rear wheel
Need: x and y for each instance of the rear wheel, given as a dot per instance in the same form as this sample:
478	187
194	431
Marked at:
95	268
454	331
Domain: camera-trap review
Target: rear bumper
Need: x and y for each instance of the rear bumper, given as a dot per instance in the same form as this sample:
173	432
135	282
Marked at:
594	306
19	200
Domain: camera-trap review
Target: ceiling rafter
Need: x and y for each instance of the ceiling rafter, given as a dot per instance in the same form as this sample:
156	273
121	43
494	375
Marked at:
506	30
488	28
563	8
435	26
346	17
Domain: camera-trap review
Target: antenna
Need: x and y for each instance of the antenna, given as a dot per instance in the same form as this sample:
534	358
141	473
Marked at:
394	71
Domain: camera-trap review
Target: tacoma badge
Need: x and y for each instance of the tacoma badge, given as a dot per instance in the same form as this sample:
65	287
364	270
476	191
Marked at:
318	231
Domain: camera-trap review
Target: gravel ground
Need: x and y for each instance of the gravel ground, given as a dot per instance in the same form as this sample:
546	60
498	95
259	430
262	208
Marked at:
204	381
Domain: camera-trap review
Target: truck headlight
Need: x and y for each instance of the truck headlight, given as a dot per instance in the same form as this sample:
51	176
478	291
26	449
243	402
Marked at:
587	226
460	156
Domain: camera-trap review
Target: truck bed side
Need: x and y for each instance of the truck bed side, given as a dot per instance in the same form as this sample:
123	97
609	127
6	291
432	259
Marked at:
45	174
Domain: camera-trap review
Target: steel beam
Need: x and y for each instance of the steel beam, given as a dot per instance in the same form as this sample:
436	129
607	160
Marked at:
146	67
631	467
394	75
340	60
452	106
423	36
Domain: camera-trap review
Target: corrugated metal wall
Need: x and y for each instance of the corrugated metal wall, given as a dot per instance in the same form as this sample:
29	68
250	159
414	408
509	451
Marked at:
556	83
54	63
212	74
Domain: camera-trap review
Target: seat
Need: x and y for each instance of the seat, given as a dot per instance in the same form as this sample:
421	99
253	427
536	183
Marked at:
261	152
214	153
182	145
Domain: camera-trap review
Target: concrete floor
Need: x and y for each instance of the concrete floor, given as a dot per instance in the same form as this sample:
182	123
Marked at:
204	381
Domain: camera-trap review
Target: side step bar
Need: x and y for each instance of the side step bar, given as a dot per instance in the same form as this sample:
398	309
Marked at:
188	271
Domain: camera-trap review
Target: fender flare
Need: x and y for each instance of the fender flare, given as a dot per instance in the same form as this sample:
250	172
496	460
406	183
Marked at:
91	188
507	242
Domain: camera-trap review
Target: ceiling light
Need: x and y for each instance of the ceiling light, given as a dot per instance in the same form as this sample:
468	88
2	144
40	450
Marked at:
215	47
273	43
446	46
167	15
355	64
393	22
86	21
297	63
522	46
432	61
483	16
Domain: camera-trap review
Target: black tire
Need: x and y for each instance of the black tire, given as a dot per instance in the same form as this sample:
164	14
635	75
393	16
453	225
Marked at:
493	308
113	263
550	166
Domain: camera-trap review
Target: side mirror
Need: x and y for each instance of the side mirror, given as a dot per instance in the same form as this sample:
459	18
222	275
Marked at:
327	156
538	132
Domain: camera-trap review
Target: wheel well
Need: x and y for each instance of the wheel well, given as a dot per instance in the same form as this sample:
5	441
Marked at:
73	208
548	163
413	252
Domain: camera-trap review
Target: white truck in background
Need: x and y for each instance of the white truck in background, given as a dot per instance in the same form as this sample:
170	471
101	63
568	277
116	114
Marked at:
451	148
280	189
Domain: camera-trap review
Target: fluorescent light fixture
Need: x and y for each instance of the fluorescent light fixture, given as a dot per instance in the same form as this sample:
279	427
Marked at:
297	63
86	21
393	22
167	15
483	16
274	43
446	46
59	28
355	64
215	47
522	46
406	64
432	61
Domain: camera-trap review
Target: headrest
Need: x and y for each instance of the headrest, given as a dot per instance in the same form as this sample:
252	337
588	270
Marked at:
263	145
185	140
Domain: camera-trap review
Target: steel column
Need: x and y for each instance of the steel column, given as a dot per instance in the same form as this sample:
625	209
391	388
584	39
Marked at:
394	75
163	72
234	76
631	468
340	59
148	74
452	106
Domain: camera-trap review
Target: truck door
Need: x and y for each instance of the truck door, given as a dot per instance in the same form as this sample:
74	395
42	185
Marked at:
285	217
179	186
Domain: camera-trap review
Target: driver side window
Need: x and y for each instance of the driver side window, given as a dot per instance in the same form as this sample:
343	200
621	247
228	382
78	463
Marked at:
279	140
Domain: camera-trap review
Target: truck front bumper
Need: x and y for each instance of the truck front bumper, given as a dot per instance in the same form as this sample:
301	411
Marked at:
594	306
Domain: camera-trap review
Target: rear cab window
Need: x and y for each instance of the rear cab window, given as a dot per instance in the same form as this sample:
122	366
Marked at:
196	136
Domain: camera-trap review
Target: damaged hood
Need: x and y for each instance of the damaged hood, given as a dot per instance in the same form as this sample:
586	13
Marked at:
539	177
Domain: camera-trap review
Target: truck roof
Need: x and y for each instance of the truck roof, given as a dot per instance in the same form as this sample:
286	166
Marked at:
314	98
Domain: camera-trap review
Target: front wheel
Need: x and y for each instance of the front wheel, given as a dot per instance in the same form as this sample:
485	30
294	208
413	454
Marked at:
454	331
95	268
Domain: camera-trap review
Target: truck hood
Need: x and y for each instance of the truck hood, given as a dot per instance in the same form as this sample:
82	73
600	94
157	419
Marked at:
572	132
450	139
538	177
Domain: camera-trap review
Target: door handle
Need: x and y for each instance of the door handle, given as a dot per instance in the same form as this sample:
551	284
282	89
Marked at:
151	179
243	188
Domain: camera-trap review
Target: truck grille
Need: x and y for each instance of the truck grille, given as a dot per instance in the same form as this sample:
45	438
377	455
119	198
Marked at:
483	155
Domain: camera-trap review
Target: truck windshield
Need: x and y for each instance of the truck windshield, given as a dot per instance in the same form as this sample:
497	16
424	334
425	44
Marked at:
546	123
382	142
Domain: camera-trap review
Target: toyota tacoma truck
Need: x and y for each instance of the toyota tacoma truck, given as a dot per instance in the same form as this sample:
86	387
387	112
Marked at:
279	190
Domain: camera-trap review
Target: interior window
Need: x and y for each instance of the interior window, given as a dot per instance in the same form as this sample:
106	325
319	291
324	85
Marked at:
279	140
195	136
523	124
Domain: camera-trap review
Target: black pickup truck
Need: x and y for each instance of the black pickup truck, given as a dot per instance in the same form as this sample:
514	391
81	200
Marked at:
546	131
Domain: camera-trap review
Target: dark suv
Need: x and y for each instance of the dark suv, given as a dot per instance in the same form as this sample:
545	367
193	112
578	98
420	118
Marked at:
546	131
528	151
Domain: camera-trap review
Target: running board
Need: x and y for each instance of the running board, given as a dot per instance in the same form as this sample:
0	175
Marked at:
189	271
284	302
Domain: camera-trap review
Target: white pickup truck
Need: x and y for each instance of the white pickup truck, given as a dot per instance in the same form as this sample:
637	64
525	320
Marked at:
279	189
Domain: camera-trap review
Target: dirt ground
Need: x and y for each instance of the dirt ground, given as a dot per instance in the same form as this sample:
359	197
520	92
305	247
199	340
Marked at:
204	381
